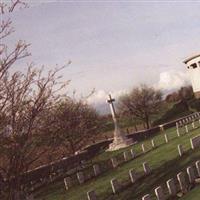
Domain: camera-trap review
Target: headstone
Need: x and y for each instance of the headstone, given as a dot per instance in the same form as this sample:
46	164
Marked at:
146	197
146	168
91	195
114	162
51	177
171	187
161	127
133	154
191	174
180	150
32	187
193	125
80	177
125	156
153	143
177	129
198	167
67	182
132	175
159	193
143	148
96	169
166	138
186	129
195	142
182	182
115	185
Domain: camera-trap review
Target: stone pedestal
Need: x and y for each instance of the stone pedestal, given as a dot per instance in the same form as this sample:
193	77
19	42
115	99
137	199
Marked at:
119	143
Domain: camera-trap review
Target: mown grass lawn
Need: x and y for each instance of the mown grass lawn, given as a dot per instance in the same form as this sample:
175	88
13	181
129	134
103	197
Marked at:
164	161
193	194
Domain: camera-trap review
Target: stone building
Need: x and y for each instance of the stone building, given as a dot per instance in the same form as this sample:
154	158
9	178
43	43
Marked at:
193	65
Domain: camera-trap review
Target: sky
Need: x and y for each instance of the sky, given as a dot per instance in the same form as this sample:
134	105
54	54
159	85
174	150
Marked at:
113	45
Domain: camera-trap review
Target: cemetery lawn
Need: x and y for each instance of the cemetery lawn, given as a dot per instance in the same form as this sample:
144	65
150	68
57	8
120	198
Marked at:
163	160
193	194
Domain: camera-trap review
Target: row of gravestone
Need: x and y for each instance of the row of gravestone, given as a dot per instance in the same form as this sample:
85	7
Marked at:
180	125
195	143
189	119
59	174
96	171
117	186
81	178
134	176
185	184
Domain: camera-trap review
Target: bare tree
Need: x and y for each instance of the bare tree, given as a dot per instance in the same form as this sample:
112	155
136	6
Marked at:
141	103
73	125
9	57
24	101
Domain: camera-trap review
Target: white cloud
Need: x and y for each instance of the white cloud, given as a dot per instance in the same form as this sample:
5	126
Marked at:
170	80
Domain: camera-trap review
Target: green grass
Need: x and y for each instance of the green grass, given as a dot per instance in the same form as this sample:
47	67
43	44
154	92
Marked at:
193	194
163	160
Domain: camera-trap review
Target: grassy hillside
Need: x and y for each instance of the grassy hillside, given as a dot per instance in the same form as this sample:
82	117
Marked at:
163	160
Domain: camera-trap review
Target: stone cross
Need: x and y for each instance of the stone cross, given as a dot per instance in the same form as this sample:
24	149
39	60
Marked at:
112	108
120	140
117	132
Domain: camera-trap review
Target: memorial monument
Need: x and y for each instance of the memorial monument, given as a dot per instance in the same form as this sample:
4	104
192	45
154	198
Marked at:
120	140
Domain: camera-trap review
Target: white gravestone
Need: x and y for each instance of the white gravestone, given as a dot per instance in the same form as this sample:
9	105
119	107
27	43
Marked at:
195	142
171	187
180	150
133	154
177	129
143	148
67	182
132	175
166	138
182	182
146	168
115	185
191	174
91	195
80	177
186	129
153	144
126	157
114	162
159	193
146	197
198	167
96	169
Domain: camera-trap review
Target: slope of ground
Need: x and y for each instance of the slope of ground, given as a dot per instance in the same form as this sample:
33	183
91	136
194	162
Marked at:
163	160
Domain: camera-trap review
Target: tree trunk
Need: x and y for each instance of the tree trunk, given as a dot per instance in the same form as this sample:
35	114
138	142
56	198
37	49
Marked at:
147	121
72	147
135	126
